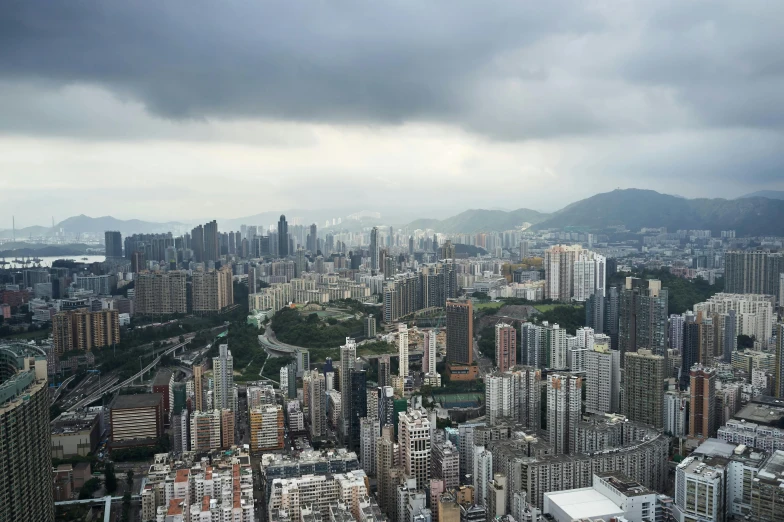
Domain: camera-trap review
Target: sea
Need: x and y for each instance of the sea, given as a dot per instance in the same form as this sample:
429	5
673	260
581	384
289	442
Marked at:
48	260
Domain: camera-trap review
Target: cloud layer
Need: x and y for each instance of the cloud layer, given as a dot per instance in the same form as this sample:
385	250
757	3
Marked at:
683	97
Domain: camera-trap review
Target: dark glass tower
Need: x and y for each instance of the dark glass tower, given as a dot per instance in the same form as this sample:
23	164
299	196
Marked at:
283	237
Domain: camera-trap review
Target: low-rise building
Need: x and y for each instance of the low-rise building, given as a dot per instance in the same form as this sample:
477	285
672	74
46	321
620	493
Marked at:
75	433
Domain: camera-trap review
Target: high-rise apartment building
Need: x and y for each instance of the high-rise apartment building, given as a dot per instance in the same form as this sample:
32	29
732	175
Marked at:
459	332
675	331
369	432
113	242
374	249
197	244
211	242
505	346
754	314
198	387
532	347
602	379
501	397
643	397
414	440
384	366
753	273
25	445
312	243
318	404
564	401
429	355
213	290
159	293
82	330
348	357
402	349
446	464
223	375
357	406
559	271
385	460
589	275
778	377
283	237
266	429
702	408
642	317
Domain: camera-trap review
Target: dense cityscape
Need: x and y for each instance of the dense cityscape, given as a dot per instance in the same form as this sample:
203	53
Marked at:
391	261
285	372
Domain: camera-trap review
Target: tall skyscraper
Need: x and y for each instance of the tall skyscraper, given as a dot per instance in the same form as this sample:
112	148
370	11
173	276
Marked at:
312	245
385	459
384	368
283	237
459	332
530	399
414	440
402	349
555	345
357	406
197	244
642	317
113	242
211	241
564	400
25	445
643	397
501	397
429	355
532	345
223	375
348	357
198	387
505	346
374	249
702	409
778	377
317	406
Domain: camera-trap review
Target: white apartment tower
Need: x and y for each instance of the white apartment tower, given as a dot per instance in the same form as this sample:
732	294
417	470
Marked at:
223	372
402	349
429	358
414	440
564	399
603	377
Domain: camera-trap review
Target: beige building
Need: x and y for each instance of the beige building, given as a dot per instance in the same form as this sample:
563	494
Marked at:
83	330
213	290
643	397
266	429
161	293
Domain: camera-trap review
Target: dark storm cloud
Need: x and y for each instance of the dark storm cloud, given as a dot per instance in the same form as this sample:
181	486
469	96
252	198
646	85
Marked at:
509	70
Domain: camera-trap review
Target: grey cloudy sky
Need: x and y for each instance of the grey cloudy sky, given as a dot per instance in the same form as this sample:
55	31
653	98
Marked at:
190	109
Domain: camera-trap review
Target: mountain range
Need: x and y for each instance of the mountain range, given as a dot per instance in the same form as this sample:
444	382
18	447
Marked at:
757	214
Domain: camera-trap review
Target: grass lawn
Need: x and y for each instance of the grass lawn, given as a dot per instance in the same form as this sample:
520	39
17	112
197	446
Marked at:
547	307
488	304
377	348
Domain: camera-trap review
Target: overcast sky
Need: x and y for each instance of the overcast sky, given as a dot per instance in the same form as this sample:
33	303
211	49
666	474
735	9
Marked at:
193	109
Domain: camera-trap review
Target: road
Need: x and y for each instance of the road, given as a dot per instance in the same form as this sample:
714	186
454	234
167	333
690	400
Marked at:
111	389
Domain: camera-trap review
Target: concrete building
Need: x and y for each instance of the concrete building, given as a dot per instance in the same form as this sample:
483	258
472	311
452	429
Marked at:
699	490
83	330
505	346
266	429
754	272
369	432
446	464
754	313
161	293
611	496
25	444
603	378
414	440
429	355
702	406
643	397
348	356
642	317
317	404
213	290
559	271
223	375
402	349
136	420
75	434
113	243
564	401
459	332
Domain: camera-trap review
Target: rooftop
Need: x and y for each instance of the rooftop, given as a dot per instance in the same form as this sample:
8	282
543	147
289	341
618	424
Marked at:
142	400
769	413
624	484
584	503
